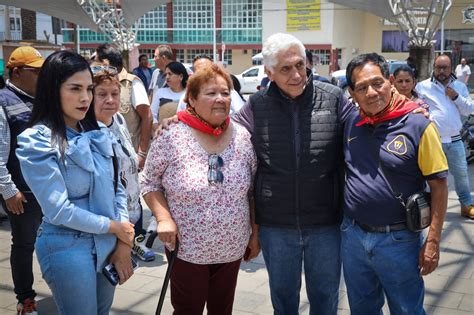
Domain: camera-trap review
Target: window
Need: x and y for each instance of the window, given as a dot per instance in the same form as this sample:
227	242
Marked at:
150	53
256	62
242	21
152	26
180	55
191	53
251	73
321	56
227	57
193	21
15	24
91	37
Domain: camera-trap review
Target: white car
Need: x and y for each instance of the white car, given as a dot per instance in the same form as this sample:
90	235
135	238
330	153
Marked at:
250	79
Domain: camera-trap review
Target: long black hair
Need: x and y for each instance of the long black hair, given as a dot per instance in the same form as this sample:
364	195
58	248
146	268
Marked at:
410	71
57	68
179	69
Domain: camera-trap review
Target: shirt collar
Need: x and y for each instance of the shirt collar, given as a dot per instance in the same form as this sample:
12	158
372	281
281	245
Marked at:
452	78
17	89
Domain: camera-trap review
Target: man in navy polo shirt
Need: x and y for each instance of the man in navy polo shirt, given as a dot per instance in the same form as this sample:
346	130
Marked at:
384	140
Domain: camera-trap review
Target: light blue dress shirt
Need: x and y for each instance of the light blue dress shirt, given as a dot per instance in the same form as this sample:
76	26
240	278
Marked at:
75	191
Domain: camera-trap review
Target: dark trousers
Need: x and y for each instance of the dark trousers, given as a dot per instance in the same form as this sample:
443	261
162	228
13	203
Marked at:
193	285
23	228
138	226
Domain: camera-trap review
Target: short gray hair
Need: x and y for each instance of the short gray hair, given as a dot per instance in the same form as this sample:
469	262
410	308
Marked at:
277	43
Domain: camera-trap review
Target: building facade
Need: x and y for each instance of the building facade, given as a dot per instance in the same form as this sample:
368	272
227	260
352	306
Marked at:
334	33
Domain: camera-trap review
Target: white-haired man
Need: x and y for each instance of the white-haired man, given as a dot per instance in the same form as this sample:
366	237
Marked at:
296	127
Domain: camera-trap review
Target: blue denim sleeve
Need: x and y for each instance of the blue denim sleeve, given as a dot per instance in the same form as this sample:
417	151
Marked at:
40	167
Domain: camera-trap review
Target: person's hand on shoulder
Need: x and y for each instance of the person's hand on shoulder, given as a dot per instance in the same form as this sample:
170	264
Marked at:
422	110
165	124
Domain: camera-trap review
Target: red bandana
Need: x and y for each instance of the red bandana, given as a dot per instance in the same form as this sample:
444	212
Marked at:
399	106
193	120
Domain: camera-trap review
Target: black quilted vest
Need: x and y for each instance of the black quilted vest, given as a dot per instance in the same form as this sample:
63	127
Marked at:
17	108
300	159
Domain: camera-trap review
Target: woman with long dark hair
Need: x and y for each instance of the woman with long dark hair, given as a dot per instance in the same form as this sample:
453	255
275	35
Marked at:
403	79
69	163
176	79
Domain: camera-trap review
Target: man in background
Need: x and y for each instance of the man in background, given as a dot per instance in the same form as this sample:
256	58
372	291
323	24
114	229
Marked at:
163	56
143	71
448	99
463	71
24	212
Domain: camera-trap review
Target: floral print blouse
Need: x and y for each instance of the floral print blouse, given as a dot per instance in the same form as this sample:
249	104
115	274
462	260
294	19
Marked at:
212	218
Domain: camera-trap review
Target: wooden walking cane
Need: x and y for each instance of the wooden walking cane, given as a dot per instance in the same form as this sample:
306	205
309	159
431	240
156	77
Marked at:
167	278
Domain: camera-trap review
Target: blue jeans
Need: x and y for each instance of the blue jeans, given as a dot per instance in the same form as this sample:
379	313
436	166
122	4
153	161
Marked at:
378	263
286	250
456	155
68	265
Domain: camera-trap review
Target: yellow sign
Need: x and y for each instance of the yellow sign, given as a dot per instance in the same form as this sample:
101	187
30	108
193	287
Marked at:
303	15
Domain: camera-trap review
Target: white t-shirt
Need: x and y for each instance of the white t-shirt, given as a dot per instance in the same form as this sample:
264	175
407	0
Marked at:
139	96
235	105
164	93
462	72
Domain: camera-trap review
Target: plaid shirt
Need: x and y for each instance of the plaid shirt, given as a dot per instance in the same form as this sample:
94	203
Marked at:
7	186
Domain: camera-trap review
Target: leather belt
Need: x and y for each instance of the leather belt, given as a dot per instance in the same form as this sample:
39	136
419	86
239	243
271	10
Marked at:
456	138
383	228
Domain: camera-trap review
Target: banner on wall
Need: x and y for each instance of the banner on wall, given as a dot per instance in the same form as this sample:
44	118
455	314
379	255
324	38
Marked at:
303	15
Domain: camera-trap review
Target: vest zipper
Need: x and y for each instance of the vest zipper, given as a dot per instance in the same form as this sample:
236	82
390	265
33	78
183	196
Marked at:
297	148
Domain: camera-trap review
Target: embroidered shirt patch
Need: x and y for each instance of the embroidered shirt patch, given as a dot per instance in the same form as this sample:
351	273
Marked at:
398	145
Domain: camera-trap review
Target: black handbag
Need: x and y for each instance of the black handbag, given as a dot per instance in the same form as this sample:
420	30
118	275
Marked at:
417	206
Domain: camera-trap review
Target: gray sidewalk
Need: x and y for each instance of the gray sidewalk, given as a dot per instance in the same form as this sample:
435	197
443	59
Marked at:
449	290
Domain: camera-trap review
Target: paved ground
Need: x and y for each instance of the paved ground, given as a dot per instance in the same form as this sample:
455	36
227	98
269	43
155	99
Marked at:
449	290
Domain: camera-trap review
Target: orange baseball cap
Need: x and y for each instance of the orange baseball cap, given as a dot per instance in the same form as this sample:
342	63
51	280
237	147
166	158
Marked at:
25	56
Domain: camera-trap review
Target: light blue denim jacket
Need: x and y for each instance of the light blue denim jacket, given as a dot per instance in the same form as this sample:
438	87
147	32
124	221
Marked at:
75	192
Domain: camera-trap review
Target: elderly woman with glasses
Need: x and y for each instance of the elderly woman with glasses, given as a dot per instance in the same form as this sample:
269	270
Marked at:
106	105
198	183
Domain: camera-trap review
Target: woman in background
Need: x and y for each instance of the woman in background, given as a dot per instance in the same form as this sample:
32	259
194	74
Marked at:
176	79
403	79
68	161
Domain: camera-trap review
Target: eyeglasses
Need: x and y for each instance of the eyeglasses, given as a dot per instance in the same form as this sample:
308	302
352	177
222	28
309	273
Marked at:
96	69
442	68
215	175
34	70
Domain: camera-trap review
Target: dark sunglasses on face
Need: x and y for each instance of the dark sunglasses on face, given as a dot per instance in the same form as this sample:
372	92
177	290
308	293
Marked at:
214	174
